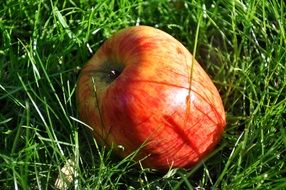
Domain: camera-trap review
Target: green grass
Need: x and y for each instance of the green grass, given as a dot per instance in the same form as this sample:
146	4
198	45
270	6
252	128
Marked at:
43	45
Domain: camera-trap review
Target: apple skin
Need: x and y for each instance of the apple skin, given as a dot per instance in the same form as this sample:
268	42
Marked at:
143	89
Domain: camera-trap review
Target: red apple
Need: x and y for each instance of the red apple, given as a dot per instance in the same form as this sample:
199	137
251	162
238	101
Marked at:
143	88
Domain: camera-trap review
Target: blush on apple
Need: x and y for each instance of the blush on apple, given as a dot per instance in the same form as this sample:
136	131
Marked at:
143	87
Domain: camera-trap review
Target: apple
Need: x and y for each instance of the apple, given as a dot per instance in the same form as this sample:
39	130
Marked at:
144	90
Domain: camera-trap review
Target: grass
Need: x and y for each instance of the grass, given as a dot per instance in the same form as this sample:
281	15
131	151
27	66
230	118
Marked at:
43	45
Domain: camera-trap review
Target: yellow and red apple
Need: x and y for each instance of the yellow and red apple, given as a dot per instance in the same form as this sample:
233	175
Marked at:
143	89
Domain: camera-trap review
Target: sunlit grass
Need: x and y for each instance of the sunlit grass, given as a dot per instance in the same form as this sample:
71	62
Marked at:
43	45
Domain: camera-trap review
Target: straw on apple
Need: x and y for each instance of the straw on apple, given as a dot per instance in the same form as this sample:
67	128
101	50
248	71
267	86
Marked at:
143	89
